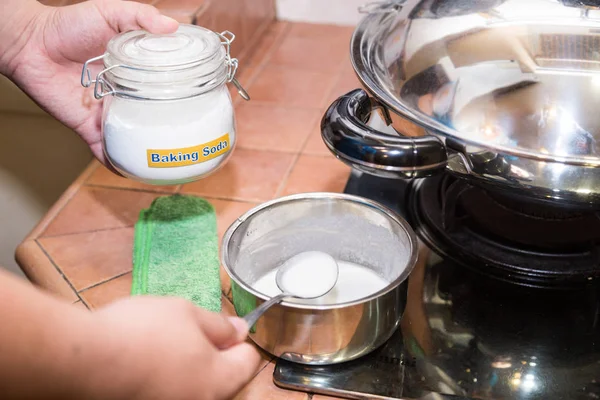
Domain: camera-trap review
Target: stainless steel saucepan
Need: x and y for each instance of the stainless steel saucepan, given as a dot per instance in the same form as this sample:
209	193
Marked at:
348	228
502	92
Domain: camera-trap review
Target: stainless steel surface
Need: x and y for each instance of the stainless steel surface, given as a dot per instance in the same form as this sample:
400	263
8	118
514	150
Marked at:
510	86
258	312
466	334
348	228
287	267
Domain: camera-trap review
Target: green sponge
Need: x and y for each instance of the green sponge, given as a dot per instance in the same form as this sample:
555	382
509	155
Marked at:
176	251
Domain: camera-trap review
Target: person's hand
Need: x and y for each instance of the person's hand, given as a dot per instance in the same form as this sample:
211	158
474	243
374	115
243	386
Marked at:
44	48
157	348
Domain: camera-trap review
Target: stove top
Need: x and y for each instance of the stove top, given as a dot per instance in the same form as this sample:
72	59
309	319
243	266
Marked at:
491	314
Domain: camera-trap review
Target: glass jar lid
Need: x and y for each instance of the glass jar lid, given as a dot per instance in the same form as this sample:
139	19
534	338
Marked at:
188	46
142	65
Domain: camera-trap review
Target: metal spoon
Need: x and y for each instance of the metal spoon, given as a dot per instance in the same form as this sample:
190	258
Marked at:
307	275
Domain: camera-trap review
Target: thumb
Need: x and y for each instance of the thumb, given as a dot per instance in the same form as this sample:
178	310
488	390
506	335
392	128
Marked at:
236	367
125	16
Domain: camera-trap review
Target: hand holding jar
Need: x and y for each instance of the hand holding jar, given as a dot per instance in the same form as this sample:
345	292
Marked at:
42	50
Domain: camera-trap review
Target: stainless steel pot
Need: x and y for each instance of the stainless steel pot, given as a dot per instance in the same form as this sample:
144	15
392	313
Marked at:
350	229
501	92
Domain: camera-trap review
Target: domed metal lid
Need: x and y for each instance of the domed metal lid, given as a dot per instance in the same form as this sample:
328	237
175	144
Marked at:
521	77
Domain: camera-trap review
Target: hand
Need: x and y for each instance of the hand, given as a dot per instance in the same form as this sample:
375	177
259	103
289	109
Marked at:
47	46
157	348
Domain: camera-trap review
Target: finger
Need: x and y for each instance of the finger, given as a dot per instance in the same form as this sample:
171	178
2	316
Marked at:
218	329
129	15
235	368
242	327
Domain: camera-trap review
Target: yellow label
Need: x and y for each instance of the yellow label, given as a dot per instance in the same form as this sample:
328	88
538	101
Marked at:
188	155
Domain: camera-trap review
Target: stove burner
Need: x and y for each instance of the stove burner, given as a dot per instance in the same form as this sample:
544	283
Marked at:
466	335
531	243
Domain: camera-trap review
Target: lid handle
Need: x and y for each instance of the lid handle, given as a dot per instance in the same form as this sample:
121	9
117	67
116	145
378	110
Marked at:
346	134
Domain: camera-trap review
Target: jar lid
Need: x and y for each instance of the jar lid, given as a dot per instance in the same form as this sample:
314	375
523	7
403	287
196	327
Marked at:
141	65
188	46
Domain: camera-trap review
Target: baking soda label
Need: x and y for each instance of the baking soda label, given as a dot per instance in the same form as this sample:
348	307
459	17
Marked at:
189	155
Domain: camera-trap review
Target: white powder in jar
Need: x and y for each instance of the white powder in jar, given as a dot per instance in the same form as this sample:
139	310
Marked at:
169	142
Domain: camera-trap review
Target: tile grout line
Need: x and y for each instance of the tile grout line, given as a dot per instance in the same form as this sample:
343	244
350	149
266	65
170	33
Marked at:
225	198
116	228
62	235
283	183
129	189
83	178
103	282
60	272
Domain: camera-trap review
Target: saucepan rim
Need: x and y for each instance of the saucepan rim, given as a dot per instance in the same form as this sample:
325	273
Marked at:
412	245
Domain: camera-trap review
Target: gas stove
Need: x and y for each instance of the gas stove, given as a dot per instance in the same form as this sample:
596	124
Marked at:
503	304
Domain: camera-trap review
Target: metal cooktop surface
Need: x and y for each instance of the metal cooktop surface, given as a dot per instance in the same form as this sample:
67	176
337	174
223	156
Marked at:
466	333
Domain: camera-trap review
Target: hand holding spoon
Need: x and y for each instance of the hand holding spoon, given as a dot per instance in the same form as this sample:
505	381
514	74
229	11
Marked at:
307	275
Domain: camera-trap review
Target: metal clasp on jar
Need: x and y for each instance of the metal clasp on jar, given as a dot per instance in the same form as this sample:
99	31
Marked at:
103	88
381	7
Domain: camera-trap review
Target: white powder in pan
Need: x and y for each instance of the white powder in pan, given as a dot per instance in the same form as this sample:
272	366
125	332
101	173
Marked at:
354	282
169	142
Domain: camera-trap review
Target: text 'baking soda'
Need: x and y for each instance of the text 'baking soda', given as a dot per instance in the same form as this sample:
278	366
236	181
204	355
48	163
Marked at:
189	155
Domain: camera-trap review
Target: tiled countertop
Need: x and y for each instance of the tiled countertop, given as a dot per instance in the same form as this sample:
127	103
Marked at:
82	249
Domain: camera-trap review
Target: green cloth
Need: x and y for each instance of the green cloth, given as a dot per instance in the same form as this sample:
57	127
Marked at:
176	251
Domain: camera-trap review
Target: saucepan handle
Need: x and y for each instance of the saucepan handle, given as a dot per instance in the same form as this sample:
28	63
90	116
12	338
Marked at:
345	132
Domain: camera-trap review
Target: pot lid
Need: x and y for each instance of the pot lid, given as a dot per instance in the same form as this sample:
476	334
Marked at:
521	77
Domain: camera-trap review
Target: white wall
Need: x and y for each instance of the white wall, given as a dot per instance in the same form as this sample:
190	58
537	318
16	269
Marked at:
39	158
338	12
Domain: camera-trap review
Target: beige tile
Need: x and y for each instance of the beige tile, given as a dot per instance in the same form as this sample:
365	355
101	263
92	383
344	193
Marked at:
40	270
103	177
99	208
261	53
228	211
257	16
53	3
272	127
315	145
183	17
108	292
291	87
317	174
87	259
188	6
345	83
316	31
81	305
250	175
316	54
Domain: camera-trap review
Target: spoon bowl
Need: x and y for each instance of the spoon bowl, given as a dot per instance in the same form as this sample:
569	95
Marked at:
307	275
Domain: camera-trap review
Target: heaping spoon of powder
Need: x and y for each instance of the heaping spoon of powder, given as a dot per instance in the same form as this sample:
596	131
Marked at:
306	275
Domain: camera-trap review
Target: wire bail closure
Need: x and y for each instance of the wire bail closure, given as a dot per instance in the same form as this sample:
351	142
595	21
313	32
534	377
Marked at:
227	38
381	7
102	88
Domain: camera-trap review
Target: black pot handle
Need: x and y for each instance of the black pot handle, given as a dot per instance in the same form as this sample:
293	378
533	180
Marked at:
346	134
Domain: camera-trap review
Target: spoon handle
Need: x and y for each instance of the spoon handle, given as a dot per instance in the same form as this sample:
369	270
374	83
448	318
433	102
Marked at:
260	310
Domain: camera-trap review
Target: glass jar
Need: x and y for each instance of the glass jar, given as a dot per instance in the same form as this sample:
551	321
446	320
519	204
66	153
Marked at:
167	114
